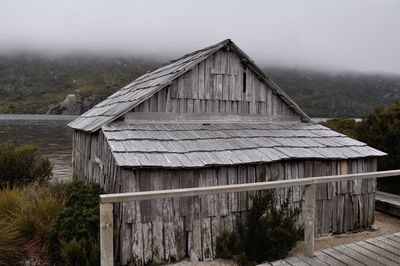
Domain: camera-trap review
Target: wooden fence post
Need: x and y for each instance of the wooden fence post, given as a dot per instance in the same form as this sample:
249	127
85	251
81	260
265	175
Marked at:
309	220
106	234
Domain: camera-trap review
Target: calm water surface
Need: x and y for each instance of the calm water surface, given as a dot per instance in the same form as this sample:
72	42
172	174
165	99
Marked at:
49	132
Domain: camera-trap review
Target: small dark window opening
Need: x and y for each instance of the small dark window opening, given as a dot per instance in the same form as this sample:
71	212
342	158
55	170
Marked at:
244	82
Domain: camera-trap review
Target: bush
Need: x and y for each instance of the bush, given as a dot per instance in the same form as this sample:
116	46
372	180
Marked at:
77	224
85	252
22	165
269	232
347	126
228	245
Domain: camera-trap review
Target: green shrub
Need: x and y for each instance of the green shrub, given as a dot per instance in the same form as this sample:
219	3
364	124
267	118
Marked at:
85	252
228	245
22	165
344	125
78	221
269	232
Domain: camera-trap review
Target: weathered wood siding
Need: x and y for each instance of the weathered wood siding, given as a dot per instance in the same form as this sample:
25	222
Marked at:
165	230
92	160
216	86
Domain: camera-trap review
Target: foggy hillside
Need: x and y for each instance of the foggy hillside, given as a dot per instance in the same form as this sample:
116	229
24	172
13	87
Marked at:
29	84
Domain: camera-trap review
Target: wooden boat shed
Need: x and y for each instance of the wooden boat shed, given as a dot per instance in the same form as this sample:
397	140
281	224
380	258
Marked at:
211	117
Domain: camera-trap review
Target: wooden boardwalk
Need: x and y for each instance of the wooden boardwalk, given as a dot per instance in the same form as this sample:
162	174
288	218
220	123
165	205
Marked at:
388	203
384	250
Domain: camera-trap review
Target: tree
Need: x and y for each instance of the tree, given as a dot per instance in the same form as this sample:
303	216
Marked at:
380	130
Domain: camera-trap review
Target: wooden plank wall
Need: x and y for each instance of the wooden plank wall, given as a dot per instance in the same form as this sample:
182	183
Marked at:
216	86
168	230
92	161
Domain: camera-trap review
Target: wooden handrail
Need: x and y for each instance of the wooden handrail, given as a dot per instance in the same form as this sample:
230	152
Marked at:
107	200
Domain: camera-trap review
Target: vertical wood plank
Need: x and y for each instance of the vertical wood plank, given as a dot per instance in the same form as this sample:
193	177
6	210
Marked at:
222	198
208	78
106	234
232	197
201	82
156	218
309	218
195	82
194	236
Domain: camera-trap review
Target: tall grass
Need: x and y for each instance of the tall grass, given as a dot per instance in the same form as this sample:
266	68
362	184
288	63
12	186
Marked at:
12	248
10	202
38	212
26	214
11	241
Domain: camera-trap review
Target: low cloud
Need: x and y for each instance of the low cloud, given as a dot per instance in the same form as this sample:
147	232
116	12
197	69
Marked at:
361	35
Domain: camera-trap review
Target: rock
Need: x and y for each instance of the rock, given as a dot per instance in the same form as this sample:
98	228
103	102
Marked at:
89	102
73	104
70	106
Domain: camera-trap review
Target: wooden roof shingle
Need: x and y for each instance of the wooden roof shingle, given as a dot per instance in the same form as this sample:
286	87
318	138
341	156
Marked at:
174	145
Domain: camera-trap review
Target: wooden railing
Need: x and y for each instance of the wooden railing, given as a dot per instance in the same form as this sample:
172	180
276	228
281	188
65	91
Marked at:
106	203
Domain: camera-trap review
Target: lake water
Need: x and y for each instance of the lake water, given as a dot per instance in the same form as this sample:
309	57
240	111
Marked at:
50	133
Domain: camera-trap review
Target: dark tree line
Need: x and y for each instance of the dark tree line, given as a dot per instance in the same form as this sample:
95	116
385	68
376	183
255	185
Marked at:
380	130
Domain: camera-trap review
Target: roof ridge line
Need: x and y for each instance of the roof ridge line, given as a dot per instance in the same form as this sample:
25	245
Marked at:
91	125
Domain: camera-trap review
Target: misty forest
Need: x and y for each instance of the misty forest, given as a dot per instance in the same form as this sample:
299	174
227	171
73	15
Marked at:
32	83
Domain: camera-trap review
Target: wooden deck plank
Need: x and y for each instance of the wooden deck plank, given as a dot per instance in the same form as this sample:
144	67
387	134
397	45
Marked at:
378	251
395	237
388	203
384	245
363	260
328	259
280	263
393	244
296	261
314	261
374	254
345	259
265	264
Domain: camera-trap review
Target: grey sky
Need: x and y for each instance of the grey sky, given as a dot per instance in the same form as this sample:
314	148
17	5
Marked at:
341	34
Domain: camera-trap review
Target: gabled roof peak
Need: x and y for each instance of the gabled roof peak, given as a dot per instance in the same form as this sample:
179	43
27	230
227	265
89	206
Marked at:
130	96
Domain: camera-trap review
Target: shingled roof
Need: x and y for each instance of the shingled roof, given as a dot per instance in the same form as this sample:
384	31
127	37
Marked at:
174	145
147	85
